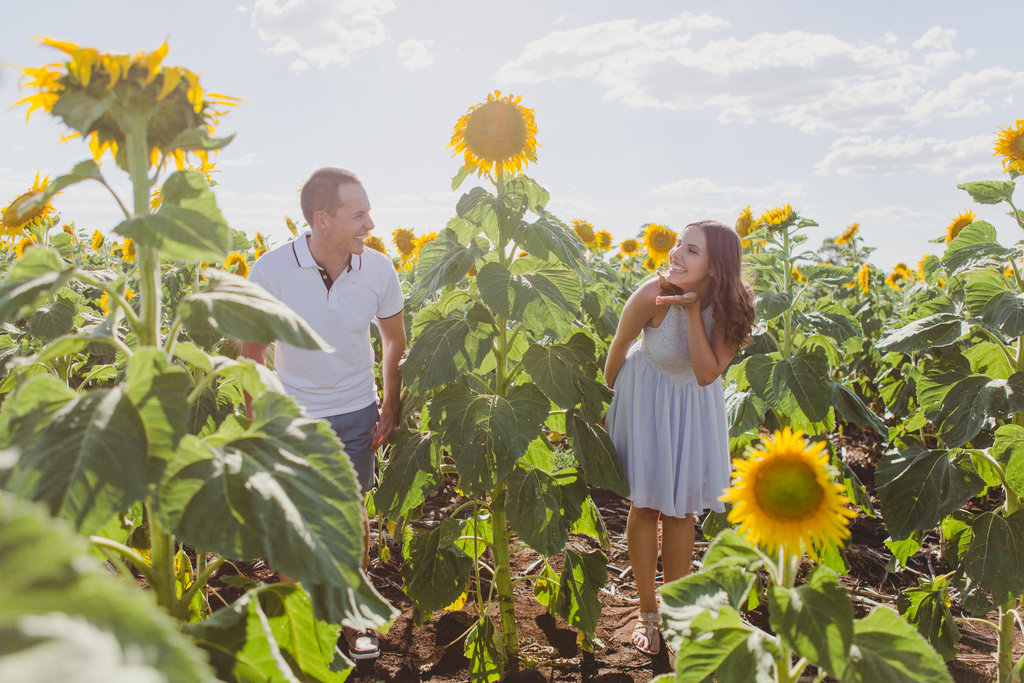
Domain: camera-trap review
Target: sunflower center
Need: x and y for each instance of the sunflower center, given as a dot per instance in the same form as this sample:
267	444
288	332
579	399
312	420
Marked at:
787	489
496	131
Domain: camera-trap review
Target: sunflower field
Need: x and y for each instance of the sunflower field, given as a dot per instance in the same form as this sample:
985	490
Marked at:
136	497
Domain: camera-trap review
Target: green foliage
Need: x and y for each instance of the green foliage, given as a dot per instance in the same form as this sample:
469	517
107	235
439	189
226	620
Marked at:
62	615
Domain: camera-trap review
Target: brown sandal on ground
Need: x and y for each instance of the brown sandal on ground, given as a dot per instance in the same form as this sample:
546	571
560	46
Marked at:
359	645
646	636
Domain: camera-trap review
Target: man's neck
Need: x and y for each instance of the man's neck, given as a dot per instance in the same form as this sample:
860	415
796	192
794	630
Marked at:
334	262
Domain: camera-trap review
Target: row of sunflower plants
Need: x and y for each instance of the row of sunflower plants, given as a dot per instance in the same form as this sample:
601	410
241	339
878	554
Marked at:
120	415
791	495
795	373
499	360
960	343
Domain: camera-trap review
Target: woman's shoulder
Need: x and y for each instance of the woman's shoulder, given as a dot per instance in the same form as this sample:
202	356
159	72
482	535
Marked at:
648	290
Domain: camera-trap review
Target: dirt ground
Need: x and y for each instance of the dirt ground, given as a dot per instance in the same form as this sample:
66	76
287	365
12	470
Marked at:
434	651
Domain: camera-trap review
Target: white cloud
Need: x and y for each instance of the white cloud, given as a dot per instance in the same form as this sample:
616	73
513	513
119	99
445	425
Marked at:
811	81
416	54
703	187
247	159
903	217
936	38
321	32
861	155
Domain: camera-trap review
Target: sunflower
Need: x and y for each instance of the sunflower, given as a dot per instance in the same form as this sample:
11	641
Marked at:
1010	145
920	266
778	218
603	240
405	241
423	241
23	244
259	241
651	264
496	136
585	231
26	210
629	247
97	240
744	223
659	241
291	226
797	276
864	278
899	273
122	83
848	234
237	259
784	496
128	250
376	243
958	224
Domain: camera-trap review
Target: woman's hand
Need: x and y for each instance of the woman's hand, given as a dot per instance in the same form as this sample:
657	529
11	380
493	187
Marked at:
688	300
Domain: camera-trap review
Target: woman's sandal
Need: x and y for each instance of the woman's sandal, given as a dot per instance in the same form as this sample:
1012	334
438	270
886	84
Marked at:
646	635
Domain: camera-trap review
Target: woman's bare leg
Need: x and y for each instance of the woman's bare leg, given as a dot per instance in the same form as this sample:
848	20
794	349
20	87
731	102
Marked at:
642	541
677	535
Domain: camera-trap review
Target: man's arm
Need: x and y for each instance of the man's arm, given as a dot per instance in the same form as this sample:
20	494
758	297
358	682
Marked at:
257	352
392	337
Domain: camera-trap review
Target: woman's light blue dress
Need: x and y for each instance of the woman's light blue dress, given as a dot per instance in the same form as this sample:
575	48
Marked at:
670	432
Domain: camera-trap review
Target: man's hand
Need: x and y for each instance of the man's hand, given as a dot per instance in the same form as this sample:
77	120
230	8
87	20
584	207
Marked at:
386	424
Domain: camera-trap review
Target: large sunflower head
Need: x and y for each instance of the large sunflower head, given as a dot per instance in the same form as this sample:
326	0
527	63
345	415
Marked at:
659	241
27	209
603	240
376	243
26	242
585	231
405	241
1010	146
958	224
848	234
864	278
118	86
777	218
236	261
784	496
629	247
499	134
744	222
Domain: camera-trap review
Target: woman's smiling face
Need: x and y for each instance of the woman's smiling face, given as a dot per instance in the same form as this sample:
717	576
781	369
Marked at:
688	262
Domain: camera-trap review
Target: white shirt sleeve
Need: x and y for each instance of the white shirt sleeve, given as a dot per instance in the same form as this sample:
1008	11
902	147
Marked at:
390	300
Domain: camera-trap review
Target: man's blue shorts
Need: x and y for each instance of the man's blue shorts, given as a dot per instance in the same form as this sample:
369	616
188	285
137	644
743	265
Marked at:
355	431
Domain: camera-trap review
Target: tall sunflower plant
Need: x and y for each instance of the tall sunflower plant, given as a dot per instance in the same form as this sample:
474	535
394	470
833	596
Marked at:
789	510
793	375
501	367
143	449
964	434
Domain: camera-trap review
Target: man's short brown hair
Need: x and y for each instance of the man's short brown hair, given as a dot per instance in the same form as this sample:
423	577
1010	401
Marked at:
320	192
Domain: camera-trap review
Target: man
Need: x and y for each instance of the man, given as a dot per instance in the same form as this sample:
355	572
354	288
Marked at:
338	286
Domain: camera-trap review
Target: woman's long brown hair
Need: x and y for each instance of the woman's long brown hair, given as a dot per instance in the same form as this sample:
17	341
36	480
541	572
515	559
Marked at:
732	301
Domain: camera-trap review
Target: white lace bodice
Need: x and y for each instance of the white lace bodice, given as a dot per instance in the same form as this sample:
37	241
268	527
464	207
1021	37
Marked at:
667	345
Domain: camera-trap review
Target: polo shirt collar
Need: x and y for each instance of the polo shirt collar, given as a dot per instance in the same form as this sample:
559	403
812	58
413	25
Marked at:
300	247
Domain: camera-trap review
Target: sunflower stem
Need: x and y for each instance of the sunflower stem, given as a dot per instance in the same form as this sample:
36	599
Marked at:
147	257
1006	633
503	579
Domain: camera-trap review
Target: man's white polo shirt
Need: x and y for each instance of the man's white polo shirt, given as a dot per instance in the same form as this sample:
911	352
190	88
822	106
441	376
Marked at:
340	382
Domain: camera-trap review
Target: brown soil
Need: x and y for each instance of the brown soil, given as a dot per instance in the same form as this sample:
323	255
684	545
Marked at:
434	650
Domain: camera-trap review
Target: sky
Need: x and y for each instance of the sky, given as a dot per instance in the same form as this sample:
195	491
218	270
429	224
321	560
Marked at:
647	111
